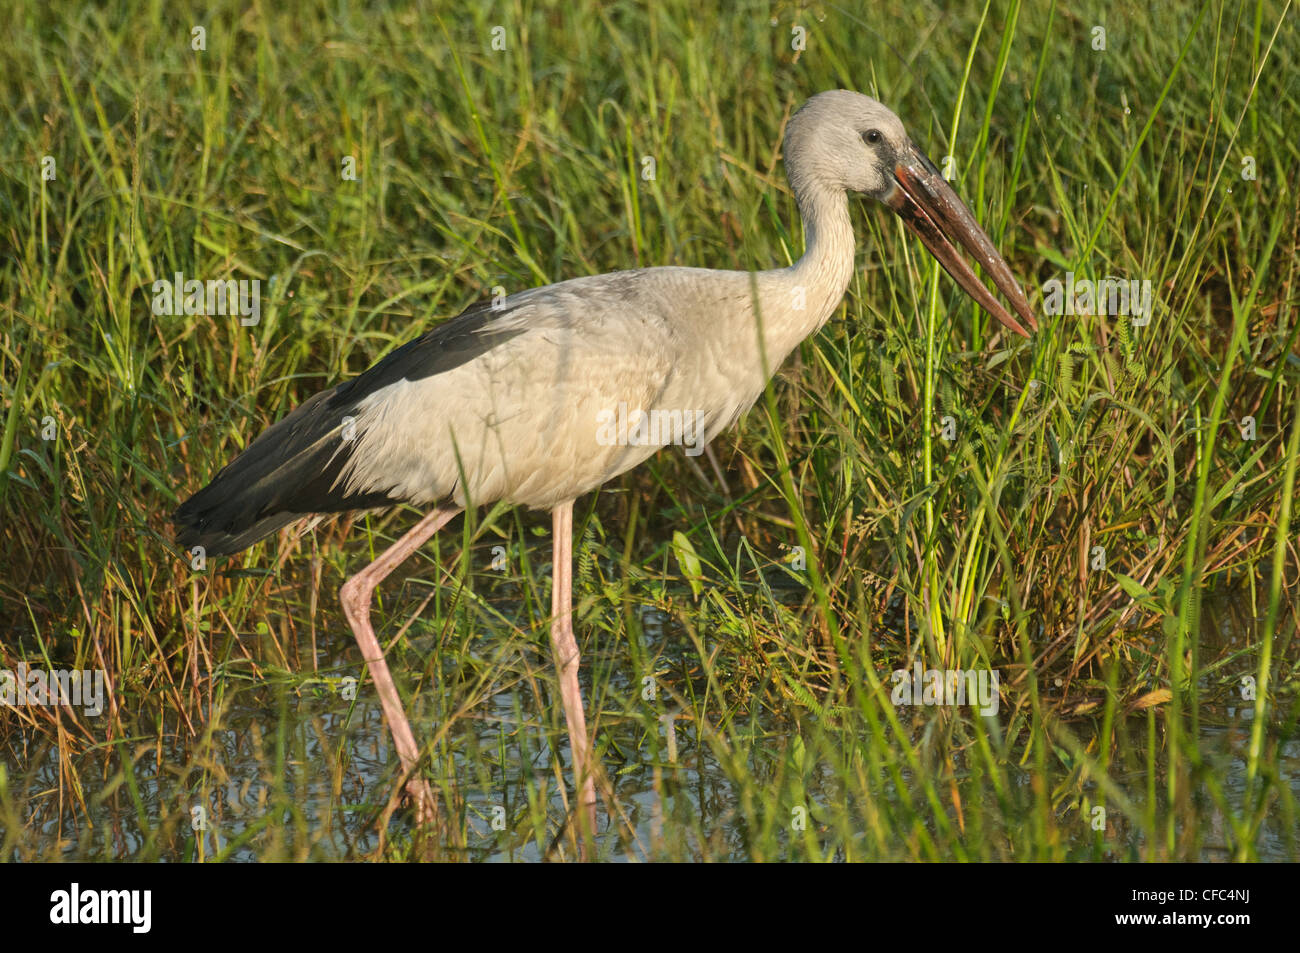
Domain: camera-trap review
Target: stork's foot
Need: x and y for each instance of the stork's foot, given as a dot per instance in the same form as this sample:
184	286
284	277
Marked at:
420	797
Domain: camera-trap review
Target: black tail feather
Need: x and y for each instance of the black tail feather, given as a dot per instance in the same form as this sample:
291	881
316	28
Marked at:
292	470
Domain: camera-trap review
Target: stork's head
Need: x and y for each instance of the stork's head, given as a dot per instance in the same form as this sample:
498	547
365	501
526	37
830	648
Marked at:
844	141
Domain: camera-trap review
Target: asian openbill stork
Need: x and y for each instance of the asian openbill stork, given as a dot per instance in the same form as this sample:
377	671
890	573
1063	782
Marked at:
505	402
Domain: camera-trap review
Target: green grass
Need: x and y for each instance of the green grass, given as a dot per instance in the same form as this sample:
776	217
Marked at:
480	168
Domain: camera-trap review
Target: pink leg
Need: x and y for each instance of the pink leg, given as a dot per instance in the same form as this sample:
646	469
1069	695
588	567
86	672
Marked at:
565	648
355	596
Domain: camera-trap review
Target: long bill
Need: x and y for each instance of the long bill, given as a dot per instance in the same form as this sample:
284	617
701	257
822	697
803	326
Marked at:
933	211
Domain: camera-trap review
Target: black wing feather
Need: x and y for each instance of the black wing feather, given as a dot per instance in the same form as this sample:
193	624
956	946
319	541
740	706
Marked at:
292	469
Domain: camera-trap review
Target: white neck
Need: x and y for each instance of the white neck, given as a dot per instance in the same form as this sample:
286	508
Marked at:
817	280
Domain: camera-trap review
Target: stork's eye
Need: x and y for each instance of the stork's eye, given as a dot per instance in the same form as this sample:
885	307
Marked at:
872	137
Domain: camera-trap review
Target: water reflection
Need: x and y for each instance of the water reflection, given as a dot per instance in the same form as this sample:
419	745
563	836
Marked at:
296	770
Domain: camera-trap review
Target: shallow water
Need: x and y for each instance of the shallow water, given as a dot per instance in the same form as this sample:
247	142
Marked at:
298	770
